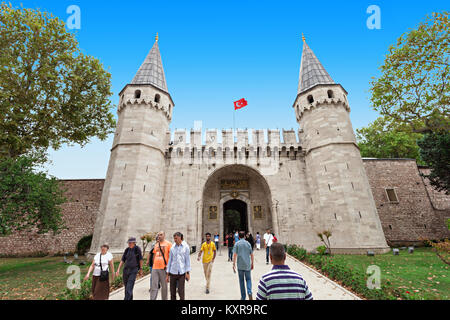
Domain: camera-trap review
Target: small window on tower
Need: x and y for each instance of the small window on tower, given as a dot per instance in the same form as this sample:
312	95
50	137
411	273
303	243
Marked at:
330	94
310	99
137	94
157	98
392	195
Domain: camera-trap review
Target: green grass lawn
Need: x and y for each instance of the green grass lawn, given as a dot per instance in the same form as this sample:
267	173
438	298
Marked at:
422	273
34	278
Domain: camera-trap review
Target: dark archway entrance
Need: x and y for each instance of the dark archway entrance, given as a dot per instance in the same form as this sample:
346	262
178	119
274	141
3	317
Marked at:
235	216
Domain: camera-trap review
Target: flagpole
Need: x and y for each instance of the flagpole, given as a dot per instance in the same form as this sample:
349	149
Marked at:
234	123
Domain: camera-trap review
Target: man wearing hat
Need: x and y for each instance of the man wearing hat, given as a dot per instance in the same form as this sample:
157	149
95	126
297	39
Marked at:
132	258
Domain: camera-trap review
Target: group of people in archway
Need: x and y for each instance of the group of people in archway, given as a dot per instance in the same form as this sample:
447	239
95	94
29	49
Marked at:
171	263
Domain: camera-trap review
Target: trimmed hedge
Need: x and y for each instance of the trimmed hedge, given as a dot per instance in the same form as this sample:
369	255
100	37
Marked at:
346	275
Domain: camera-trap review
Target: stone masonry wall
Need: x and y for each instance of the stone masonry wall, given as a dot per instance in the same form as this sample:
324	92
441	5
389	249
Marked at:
413	216
402	222
79	213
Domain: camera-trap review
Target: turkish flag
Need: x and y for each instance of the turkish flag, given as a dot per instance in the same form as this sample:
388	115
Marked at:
240	104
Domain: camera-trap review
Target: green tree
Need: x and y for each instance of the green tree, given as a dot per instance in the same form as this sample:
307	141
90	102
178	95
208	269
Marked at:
29	200
50	92
435	151
380	139
414	88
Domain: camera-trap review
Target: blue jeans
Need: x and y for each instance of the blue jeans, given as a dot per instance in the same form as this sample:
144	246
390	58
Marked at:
230	253
267	254
248	279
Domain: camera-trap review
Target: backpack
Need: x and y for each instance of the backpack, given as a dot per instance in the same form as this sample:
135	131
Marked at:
138	250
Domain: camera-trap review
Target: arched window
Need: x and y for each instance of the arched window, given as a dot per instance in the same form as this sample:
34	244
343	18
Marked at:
310	99
157	98
137	94
330	94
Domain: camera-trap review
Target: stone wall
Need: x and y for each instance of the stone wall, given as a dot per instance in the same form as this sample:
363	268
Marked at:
413	217
79	214
403	223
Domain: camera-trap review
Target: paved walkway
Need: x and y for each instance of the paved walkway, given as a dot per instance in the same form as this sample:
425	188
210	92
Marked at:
225	284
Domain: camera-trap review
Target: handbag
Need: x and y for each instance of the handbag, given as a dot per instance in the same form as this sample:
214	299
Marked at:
104	275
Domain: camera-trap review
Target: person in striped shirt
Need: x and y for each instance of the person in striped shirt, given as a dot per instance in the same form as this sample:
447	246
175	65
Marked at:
281	283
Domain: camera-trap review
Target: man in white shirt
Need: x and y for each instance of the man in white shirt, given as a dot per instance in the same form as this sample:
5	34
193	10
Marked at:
268	239
178	267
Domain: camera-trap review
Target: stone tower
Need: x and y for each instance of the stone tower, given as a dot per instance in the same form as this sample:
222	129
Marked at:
341	198
133	192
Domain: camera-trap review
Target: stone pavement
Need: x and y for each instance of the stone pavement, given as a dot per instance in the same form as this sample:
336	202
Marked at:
225	284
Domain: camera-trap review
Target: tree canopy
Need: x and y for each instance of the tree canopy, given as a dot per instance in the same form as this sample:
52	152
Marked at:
414	87
381	140
29	200
435	150
50	92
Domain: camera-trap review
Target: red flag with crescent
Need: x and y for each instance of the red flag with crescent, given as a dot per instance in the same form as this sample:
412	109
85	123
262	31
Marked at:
240	104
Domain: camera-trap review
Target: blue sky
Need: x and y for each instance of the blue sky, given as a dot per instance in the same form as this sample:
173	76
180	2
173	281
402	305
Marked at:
217	51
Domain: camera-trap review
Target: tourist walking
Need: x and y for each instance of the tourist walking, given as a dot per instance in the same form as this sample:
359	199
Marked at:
230	245
178	267
281	283
236	236
258	241
250	239
132	258
268	239
101	264
160	258
216	241
243	257
208	250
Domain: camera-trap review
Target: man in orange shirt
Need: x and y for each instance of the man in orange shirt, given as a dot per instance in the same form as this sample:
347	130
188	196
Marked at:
160	259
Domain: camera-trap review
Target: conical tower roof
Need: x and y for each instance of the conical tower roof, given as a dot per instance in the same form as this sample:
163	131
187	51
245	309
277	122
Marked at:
311	71
151	70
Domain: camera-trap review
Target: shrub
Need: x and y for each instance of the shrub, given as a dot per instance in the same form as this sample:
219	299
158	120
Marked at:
322	250
339	271
84	293
84	244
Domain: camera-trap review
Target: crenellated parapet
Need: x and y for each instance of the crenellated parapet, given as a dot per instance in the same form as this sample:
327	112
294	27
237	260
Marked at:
229	145
145	101
320	96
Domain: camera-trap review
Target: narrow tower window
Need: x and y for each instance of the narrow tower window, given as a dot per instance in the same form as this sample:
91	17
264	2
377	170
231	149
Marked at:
157	98
310	99
137	94
330	94
392	195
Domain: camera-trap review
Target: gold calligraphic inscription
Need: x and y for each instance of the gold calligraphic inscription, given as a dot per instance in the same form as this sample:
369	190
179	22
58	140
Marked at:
233	184
257	212
212	213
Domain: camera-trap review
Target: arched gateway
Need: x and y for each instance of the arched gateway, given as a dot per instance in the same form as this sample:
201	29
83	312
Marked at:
236	197
317	182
